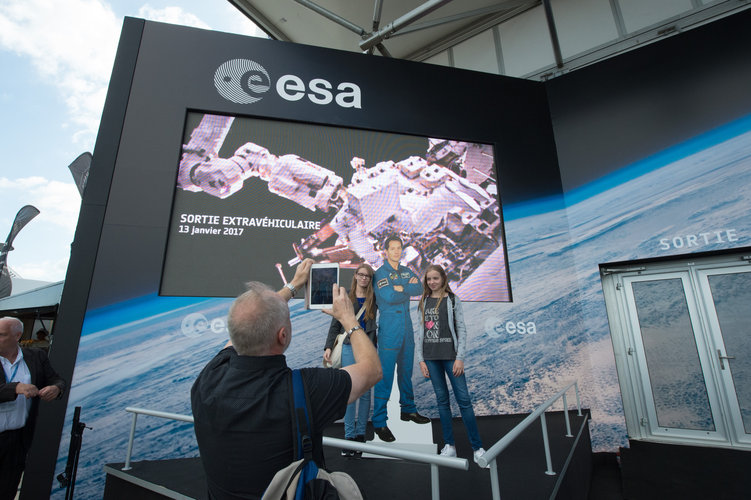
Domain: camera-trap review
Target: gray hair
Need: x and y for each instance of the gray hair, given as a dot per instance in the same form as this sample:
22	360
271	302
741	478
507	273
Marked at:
254	319
16	325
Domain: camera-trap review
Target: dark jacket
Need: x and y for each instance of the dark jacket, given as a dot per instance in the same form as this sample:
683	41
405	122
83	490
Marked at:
336	328
42	375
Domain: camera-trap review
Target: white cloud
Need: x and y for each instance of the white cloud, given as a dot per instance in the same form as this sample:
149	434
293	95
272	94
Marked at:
239	23
72	45
45	270
172	15
42	248
58	202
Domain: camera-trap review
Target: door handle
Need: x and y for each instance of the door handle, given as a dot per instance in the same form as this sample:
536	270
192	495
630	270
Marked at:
722	363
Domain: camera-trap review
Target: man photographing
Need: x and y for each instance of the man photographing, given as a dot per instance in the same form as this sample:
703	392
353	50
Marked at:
241	399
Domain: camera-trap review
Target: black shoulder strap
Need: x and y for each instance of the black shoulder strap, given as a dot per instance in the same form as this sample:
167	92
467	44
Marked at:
452	296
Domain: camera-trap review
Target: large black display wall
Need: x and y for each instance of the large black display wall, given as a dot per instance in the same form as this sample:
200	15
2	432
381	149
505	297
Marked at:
614	113
604	117
163	71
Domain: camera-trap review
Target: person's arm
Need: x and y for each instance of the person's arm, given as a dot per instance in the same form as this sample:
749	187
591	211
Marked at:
420	336
366	371
413	287
461	329
302	272
54	385
386	292
8	391
418	345
461	337
334	329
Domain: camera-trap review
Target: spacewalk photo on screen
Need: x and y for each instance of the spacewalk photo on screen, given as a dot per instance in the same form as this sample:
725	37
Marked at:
255	196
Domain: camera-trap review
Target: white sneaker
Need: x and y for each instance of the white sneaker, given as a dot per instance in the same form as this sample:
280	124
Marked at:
448	451
478	453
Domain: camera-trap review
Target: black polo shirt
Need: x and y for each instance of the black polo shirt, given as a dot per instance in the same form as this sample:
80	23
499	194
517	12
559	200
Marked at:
243	425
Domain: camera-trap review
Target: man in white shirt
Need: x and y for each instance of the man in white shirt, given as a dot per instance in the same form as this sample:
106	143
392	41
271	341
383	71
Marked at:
27	377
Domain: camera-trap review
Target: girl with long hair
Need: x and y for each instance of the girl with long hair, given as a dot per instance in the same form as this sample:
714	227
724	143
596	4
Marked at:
363	299
440	349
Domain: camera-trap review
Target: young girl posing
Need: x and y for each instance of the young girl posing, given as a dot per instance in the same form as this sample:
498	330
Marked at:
440	348
362	297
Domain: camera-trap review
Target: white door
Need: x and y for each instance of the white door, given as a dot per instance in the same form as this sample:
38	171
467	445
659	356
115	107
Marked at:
682	338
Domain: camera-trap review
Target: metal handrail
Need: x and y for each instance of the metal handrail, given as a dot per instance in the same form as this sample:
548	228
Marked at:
490	456
152	413
375	449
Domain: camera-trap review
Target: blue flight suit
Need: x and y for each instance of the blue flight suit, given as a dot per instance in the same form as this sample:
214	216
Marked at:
396	341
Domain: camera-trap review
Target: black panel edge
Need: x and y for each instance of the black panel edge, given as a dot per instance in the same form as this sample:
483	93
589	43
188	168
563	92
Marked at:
42	458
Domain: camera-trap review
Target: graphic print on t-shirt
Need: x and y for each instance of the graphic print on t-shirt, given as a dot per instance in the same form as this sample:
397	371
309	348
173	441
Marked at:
432	325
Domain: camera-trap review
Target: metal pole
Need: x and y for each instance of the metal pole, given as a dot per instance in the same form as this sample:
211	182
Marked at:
545	440
499	7
408	18
377	14
494	483
130	442
565	416
332	17
553	33
434	486
578	401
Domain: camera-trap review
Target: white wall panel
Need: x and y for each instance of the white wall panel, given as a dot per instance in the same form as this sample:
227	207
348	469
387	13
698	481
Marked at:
477	53
638	14
525	43
442	59
583	24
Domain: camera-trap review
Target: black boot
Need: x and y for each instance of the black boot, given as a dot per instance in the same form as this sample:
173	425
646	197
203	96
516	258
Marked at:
359	439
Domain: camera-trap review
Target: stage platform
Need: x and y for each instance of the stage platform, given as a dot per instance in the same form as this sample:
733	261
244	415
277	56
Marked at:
521	467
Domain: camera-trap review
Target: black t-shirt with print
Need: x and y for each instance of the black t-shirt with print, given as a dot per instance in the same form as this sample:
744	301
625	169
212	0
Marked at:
437	343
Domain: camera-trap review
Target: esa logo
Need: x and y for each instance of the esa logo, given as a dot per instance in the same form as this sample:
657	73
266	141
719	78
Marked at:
244	81
196	324
496	328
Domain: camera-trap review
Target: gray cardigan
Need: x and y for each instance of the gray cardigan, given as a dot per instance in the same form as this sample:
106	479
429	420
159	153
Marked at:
456	325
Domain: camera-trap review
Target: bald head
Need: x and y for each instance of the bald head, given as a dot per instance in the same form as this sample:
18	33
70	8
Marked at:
11	330
255	320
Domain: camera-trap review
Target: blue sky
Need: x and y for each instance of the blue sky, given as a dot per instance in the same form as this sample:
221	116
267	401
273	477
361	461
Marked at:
56	58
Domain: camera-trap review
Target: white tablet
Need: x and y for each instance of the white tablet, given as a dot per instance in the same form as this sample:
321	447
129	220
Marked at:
320	291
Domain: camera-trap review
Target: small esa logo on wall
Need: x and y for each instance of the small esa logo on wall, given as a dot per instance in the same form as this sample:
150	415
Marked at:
243	81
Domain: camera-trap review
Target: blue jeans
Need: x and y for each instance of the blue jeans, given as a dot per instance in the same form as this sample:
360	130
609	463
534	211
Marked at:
355	426
437	369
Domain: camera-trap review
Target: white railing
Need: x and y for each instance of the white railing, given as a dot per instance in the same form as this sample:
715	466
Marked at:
151	413
434	461
491	455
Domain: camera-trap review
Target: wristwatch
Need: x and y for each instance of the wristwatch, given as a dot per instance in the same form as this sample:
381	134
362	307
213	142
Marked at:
291	288
353	330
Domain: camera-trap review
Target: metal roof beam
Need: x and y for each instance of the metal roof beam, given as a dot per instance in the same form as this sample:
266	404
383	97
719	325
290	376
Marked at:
399	23
377	14
501	7
332	17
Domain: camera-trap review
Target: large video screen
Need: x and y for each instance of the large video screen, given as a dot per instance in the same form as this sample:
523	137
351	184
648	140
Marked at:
254	197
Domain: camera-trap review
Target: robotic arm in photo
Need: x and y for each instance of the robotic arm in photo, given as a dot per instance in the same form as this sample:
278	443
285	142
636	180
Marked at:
443	205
